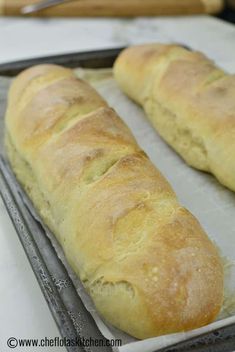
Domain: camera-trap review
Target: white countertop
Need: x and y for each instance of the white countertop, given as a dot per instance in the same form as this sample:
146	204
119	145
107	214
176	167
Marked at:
23	309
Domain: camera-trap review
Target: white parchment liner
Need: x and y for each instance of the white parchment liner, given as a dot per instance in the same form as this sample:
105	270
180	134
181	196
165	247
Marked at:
201	193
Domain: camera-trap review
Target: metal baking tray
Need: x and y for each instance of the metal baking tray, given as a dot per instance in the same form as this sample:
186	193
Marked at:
72	318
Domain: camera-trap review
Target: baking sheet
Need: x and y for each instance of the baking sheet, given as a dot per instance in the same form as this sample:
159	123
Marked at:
210	202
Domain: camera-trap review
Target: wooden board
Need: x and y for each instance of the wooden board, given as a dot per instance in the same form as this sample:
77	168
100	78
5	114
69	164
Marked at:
116	8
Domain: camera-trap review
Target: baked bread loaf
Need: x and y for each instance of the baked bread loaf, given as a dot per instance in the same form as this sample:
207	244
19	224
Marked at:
189	101
145	260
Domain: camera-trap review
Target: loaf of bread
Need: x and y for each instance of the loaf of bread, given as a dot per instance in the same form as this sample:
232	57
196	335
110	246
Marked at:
144	259
189	101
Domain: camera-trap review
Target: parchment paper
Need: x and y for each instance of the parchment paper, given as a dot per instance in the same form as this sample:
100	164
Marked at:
211	203
201	193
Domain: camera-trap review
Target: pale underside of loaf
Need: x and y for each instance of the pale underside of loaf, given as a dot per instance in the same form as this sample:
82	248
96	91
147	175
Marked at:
145	260
189	101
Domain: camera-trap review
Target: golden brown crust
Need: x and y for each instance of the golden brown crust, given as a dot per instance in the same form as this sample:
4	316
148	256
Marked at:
189	100
145	260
